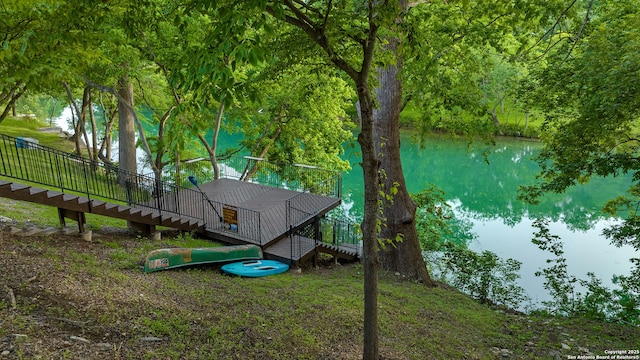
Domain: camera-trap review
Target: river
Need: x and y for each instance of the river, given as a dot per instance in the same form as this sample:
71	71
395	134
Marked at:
483	192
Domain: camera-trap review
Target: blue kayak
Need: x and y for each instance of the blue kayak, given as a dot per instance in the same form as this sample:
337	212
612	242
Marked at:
255	268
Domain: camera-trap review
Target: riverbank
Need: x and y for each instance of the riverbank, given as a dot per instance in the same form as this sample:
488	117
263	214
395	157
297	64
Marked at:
63	297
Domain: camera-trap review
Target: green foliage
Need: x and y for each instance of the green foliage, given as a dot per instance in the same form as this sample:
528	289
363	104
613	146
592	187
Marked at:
432	215
444	240
45	108
484	276
627	233
557	279
436	222
593	105
595	301
301	118
461	61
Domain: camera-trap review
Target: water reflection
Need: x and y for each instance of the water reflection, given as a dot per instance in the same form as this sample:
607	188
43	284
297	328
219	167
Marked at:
481	183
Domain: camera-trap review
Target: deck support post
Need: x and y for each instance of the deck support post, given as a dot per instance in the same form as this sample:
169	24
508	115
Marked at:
145	229
73	215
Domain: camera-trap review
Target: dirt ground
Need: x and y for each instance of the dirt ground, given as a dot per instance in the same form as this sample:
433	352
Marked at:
36	319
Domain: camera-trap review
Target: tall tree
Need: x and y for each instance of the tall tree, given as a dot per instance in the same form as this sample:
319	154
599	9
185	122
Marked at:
445	54
401	250
347	35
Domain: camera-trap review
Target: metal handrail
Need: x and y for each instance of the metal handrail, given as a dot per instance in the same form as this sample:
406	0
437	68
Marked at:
25	159
298	177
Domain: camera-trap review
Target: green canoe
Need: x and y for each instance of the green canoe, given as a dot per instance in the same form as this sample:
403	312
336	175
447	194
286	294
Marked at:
164	259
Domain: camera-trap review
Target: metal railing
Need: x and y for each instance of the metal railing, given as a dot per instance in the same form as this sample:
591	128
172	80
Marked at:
297	177
329	230
26	160
340	232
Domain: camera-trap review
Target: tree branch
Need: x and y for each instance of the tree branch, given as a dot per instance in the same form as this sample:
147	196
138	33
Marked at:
302	22
577	36
564	12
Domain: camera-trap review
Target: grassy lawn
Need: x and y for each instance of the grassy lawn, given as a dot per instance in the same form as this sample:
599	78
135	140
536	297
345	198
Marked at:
27	127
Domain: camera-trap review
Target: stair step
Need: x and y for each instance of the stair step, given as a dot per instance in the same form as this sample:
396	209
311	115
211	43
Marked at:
135	211
69	197
147	213
35	191
97	203
110	206
18	187
53	194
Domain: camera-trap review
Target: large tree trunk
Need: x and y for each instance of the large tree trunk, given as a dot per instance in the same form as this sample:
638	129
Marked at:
371	260
12	96
399	211
126	129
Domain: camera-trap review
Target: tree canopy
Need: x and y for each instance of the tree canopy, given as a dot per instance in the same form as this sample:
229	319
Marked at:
589	91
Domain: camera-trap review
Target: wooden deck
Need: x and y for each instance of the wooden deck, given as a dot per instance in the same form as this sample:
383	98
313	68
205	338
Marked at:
295	250
263	213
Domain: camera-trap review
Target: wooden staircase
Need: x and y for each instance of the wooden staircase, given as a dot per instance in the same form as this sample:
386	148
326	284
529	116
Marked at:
74	207
340	251
298	249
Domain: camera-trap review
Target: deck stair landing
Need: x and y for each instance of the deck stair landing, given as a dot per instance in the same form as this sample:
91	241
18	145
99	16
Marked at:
299	249
272	215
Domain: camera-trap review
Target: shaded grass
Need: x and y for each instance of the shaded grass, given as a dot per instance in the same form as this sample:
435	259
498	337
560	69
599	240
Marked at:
200	313
27	127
